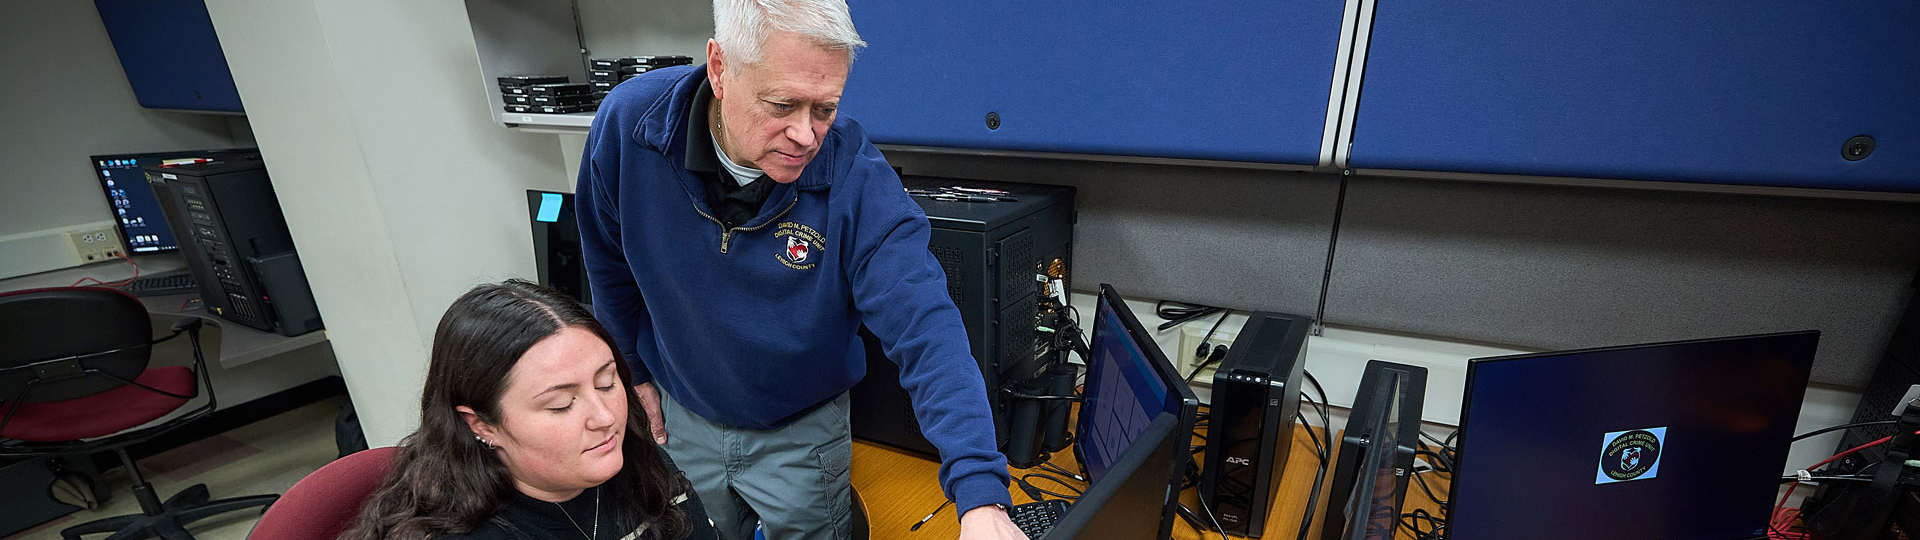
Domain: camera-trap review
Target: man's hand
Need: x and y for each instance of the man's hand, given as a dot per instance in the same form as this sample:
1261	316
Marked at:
650	402
989	523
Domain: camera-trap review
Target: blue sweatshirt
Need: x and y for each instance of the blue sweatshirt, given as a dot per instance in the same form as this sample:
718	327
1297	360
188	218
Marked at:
754	326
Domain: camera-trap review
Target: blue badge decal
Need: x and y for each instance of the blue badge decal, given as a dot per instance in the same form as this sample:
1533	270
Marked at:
1630	455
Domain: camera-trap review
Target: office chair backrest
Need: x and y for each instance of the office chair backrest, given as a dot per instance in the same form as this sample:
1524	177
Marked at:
70	342
324	504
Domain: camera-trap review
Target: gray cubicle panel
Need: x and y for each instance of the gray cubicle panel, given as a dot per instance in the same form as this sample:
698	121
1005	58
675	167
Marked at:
1564	267
1236	237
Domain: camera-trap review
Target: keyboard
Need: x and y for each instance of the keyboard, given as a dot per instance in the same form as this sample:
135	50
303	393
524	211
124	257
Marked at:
1036	518
163	285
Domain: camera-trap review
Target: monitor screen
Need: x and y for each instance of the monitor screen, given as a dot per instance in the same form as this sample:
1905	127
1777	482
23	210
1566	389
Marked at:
1675	441
1134	427
136	211
1124	392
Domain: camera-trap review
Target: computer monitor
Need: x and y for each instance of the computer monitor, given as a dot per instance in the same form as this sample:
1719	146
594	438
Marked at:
1676	441
557	255
136	211
1134	426
1376	453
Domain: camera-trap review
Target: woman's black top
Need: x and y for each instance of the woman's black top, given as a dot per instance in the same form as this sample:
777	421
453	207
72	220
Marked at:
525	518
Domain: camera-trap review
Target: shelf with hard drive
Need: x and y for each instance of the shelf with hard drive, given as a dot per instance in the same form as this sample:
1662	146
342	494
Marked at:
545	64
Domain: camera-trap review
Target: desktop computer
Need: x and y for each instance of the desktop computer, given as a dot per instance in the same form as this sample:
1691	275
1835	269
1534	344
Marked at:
236	244
1256	393
137	214
1845	510
1675	441
1376	453
991	252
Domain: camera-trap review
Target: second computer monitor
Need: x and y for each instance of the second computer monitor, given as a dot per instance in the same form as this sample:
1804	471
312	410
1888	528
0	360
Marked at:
1675	441
1136	419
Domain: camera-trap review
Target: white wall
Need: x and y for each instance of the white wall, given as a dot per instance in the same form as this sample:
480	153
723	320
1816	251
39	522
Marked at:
399	190
66	98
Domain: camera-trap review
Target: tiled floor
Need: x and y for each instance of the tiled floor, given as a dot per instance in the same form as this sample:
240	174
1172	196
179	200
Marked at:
260	458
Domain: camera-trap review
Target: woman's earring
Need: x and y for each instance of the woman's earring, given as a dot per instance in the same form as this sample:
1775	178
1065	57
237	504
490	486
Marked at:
484	441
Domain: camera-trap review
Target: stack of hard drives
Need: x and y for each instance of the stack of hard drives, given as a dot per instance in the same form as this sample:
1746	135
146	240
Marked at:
606	72
547	94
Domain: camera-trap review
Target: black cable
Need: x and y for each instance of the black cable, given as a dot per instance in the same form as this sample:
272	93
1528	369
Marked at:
1216	326
1077	492
1843	426
1010	393
1326	454
1791	478
1422	480
1175	316
1411	521
1219	353
1062	472
1318	448
1202	503
1035	492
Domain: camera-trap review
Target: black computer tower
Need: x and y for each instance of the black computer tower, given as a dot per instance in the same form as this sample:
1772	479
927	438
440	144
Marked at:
231	231
1256	393
991	252
1844	510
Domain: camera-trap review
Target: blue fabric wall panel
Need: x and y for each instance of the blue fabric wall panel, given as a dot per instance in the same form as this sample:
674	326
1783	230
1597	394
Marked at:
1731	92
1240	81
171	56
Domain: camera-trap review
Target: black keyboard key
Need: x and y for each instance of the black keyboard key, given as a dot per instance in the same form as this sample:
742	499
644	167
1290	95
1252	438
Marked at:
1036	518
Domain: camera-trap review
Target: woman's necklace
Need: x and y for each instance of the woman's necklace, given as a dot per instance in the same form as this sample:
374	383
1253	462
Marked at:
596	517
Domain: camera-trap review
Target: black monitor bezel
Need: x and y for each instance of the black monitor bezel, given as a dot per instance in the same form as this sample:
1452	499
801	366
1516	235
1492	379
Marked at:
100	180
1475	364
1189	404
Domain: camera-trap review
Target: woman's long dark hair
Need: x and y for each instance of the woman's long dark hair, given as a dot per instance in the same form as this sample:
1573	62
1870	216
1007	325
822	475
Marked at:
443	481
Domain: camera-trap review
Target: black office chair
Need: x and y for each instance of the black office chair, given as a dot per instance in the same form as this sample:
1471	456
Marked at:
74	381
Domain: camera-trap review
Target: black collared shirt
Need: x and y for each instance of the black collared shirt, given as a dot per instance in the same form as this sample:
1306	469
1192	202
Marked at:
733	204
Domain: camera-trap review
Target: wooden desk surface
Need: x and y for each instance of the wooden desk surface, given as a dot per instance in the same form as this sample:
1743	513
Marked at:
900	488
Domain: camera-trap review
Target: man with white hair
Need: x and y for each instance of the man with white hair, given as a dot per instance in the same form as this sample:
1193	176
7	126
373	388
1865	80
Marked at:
738	232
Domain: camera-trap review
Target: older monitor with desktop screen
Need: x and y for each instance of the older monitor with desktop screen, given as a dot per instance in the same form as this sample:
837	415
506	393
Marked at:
136	211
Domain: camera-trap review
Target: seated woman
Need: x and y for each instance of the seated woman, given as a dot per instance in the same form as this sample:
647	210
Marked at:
526	433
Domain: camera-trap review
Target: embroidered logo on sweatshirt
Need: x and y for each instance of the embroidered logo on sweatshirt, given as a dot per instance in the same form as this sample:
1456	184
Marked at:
803	245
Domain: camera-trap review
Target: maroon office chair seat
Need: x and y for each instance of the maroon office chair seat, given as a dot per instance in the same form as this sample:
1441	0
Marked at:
323	504
101	414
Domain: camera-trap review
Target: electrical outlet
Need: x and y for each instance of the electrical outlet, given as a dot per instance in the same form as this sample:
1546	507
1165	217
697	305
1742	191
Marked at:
95	245
1191	336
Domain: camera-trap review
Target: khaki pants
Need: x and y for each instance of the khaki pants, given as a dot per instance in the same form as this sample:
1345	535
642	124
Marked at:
794	480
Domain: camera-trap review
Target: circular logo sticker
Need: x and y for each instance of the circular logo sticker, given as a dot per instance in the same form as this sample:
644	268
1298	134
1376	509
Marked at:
1630	454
